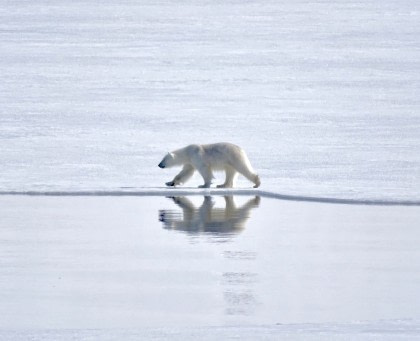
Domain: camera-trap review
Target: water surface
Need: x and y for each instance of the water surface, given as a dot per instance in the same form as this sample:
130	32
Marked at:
132	262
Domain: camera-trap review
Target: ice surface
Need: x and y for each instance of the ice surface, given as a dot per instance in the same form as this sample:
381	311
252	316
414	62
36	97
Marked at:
323	95
128	267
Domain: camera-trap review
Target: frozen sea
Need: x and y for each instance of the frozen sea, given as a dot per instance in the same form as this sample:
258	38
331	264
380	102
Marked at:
323	95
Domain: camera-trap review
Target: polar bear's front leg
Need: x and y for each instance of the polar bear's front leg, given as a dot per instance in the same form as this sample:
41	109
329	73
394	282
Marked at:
197	160
186	173
207	175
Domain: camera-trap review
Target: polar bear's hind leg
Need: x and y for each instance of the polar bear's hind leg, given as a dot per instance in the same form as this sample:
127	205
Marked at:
247	172
230	178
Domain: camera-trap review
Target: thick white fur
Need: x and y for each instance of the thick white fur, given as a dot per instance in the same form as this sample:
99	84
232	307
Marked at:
207	158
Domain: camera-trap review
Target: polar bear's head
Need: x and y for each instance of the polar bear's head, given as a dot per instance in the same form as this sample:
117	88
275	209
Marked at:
168	161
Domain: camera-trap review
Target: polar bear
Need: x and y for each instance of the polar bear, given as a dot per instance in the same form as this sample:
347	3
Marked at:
207	158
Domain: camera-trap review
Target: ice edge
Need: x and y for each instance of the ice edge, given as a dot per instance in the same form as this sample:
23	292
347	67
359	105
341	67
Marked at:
243	192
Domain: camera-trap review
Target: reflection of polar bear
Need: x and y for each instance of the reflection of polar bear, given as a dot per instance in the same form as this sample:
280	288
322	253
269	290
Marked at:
207	158
207	218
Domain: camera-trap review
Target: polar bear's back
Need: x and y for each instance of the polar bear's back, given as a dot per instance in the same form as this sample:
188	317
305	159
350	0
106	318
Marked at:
221	154
222	147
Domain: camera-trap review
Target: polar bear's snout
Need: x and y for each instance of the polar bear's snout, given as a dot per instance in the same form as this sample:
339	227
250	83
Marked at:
167	161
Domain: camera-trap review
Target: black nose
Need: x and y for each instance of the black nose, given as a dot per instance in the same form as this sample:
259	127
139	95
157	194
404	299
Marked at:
162	217
160	165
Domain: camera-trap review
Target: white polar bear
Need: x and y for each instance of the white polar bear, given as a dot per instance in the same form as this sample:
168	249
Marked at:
207	158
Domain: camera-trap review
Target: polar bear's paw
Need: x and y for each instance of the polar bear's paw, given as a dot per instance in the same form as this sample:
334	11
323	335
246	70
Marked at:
204	186
225	186
257	182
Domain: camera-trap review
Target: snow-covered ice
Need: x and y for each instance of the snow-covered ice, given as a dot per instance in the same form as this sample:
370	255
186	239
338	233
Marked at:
323	95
